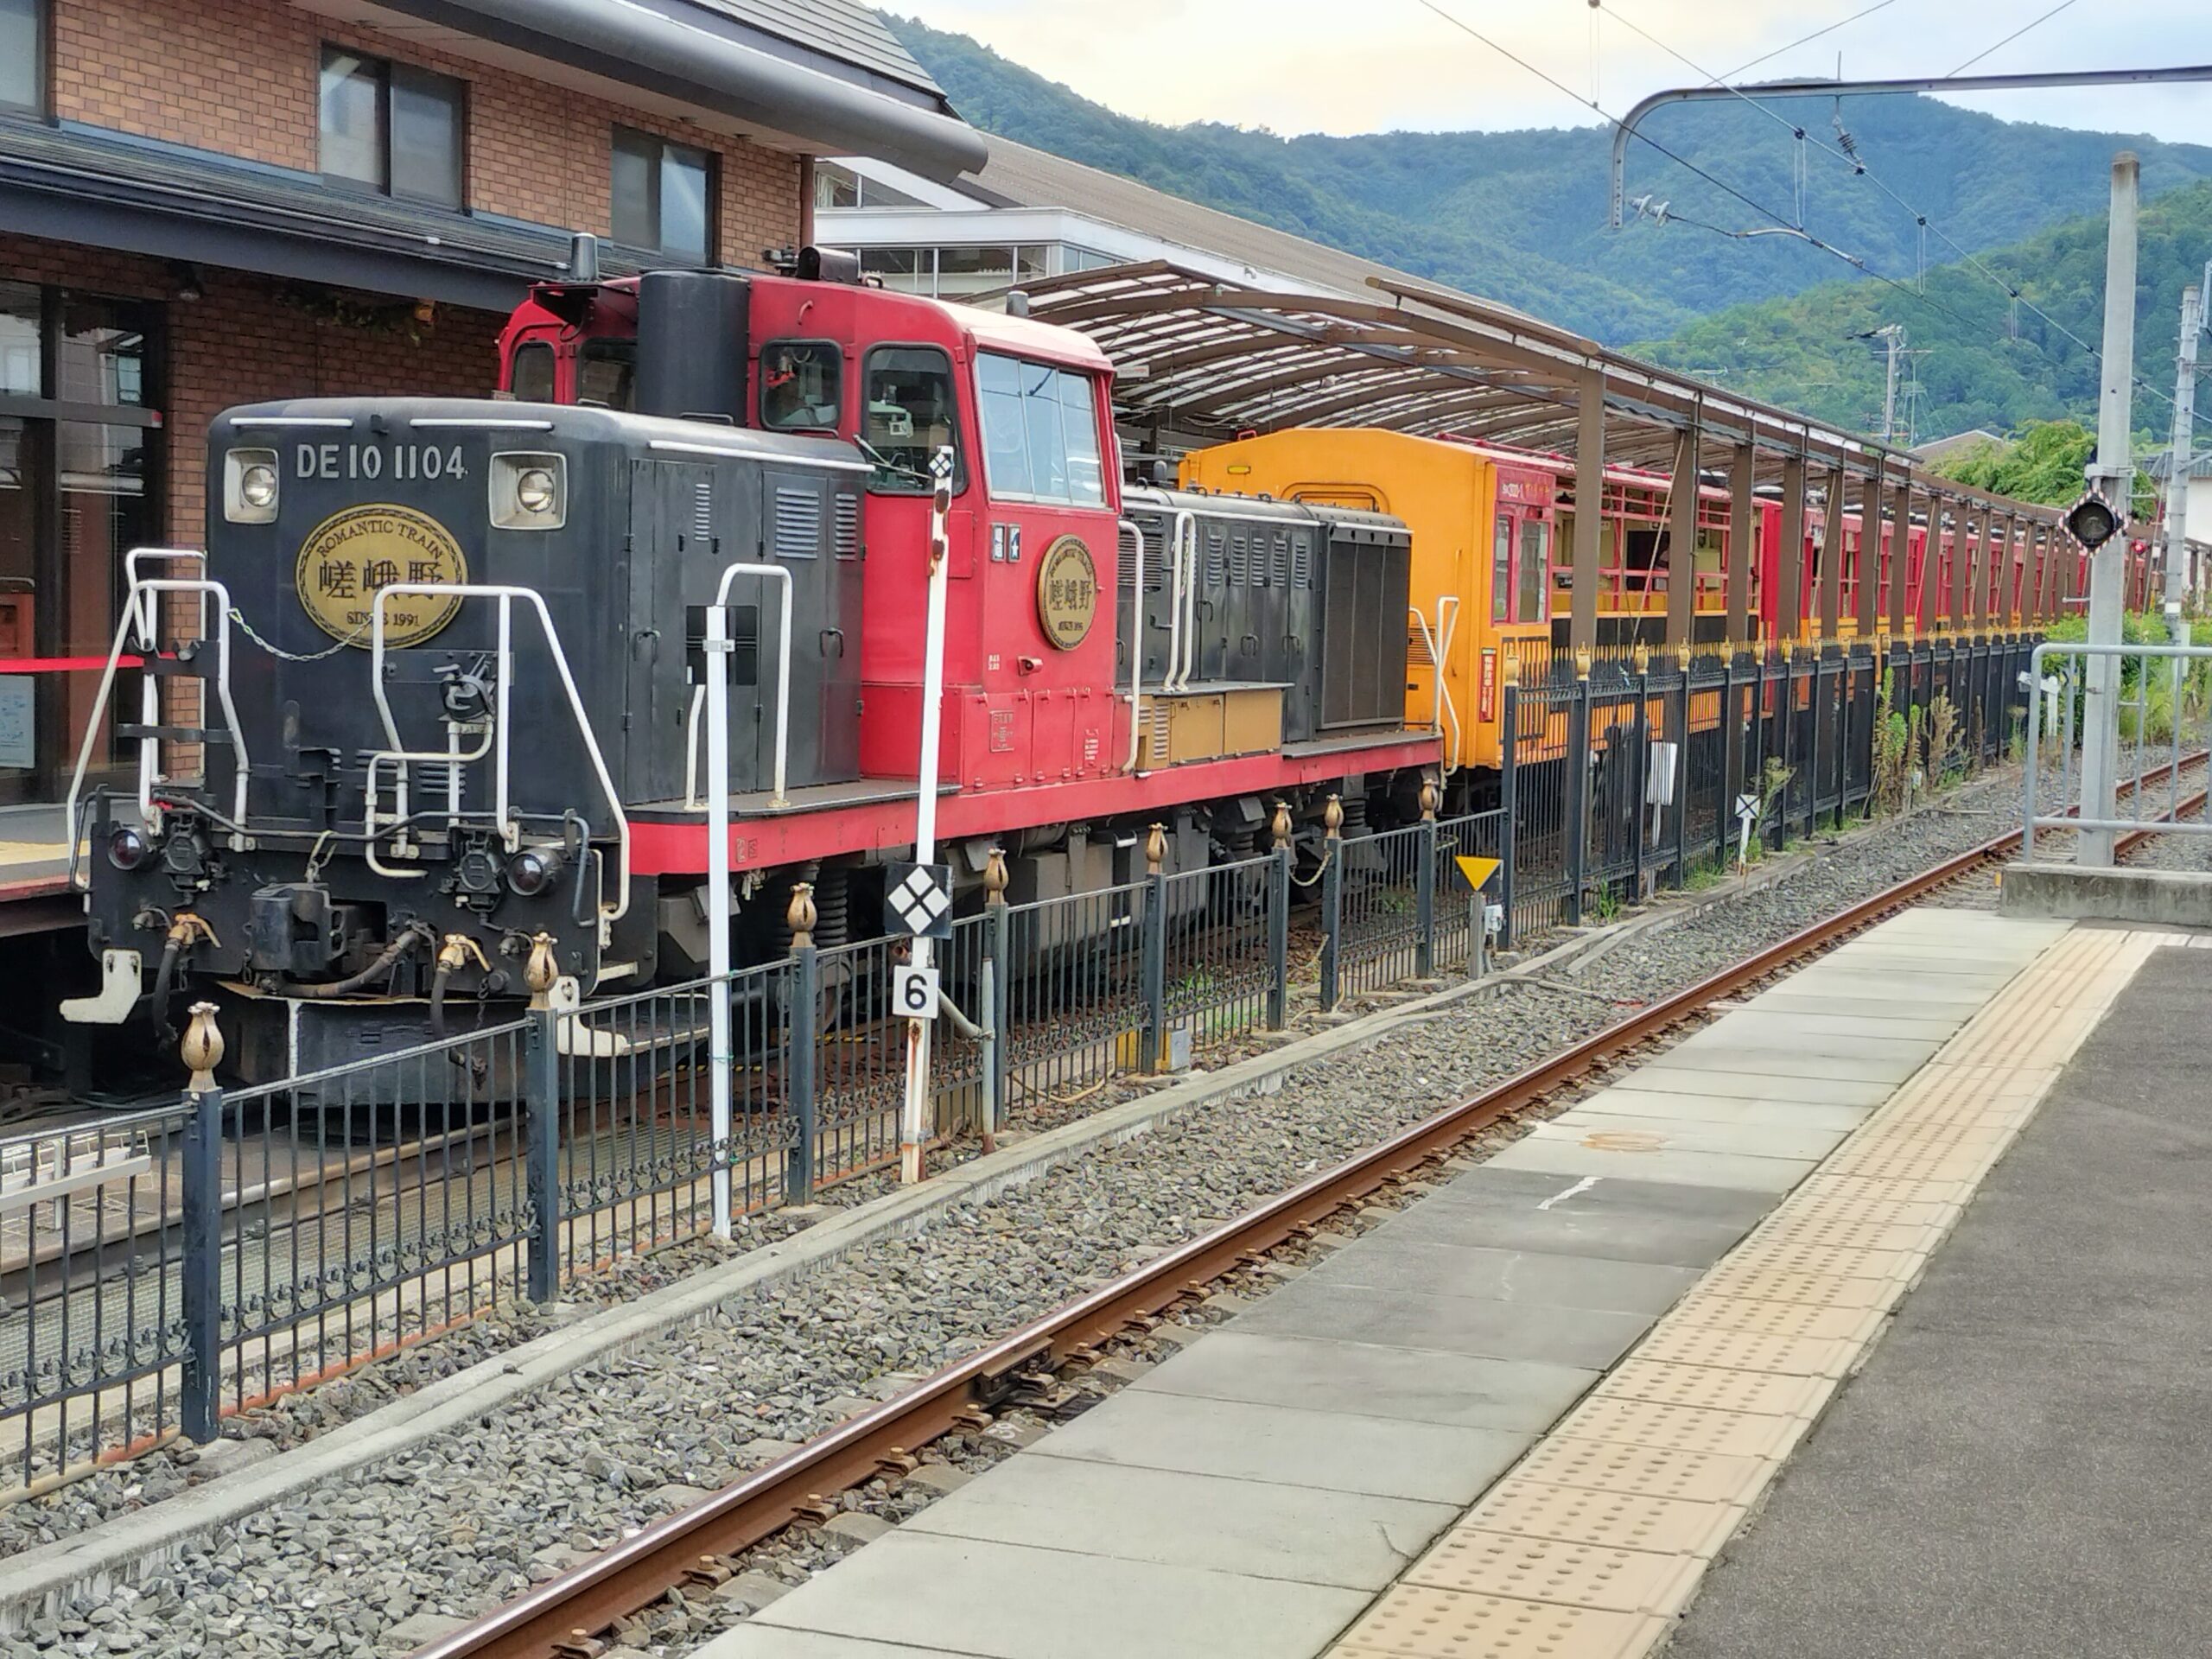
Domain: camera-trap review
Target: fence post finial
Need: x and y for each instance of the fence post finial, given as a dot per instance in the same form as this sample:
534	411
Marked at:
995	877
202	1048
1332	817
1431	799
1155	850
1512	668
1682	657
802	915
1281	827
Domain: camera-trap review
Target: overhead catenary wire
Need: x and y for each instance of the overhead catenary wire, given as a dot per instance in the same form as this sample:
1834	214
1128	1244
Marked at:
1858	165
1756	206
2034	22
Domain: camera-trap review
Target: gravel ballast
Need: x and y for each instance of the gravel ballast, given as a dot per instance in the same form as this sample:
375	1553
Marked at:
474	1516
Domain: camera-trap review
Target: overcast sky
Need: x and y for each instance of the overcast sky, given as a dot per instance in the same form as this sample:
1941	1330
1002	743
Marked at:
1298	65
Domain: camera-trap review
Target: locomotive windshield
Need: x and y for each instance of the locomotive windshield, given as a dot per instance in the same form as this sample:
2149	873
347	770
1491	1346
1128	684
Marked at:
1040	432
908	416
607	373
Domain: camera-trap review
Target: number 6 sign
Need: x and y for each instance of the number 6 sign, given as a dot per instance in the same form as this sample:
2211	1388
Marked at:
913	993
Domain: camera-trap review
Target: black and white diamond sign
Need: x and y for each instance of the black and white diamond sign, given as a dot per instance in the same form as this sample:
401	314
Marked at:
917	899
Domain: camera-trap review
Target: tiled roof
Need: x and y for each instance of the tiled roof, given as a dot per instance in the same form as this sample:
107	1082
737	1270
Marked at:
838	29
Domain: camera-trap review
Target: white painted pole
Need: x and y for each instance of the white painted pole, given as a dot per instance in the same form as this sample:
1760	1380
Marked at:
719	1057
2174	573
2112	476
913	1129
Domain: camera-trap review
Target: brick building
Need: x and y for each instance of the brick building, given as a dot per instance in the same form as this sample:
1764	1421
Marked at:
205	204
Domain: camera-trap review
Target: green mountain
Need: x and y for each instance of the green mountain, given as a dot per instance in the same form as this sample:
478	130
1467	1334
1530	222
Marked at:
1988	363
1520	216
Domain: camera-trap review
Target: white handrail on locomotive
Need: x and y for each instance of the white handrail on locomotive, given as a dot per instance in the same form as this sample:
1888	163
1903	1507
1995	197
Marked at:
134	612
506	596
166	555
1170	680
1438	644
1136	633
692	803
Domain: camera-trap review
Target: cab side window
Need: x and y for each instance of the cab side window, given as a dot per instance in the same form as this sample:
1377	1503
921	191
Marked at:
530	375
909	412
802	385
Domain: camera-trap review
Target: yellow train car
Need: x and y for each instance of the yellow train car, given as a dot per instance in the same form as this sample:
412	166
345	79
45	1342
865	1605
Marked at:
1482	586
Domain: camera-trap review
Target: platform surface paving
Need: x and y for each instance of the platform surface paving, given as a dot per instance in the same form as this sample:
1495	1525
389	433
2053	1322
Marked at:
1328	1473
2020	1468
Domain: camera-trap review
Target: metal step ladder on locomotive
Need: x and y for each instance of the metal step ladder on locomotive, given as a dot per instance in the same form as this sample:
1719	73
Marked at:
449	694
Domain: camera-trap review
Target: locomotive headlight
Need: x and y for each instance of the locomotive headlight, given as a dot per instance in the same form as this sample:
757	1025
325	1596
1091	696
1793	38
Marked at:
534	491
532	871
529	492
126	848
250	486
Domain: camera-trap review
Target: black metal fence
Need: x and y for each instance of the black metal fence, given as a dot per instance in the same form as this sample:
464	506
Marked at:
164	1268
1621	782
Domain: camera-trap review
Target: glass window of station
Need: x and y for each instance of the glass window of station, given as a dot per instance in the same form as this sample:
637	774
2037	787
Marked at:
22	56
79	454
392	127
664	196
836	186
958	273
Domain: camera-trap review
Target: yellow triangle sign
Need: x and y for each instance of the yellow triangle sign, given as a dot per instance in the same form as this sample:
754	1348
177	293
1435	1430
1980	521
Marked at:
1478	871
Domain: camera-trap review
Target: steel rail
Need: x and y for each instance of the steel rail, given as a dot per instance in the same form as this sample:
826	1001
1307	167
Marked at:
560	1618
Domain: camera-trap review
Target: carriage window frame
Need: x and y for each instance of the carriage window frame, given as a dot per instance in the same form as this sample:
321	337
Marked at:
883	481
1501	569
835	355
1534	590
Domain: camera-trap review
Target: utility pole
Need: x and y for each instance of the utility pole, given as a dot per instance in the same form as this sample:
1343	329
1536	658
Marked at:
2112	475
1893	334
2175	576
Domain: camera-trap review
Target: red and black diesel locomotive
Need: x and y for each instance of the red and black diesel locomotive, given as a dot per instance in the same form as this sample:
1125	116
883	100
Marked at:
453	750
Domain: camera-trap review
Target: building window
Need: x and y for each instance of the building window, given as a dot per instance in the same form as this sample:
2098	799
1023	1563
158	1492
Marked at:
664	196
902	270
838	185
391	127
78	449
22	54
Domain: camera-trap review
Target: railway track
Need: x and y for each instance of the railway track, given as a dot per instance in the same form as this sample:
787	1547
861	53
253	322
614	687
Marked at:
566	1616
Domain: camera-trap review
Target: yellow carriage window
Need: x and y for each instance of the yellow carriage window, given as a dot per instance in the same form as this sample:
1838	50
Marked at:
1500	571
1533	552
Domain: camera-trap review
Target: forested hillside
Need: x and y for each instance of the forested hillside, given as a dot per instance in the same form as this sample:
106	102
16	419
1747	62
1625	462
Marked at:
1520	216
1988	363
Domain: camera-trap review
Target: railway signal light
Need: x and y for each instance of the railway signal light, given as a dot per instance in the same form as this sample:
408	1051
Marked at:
2093	521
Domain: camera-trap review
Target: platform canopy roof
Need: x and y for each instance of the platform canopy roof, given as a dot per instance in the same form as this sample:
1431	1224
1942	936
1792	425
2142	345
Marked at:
1199	360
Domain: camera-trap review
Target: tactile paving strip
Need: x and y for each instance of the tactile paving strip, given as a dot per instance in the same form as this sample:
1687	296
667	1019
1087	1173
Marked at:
1763	1394
1721	1310
1682	1428
1419	1623
1826	1290
1473	1562
1562	1558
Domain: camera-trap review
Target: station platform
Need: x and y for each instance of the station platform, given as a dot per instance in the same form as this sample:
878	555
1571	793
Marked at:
34	869
1527	1415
